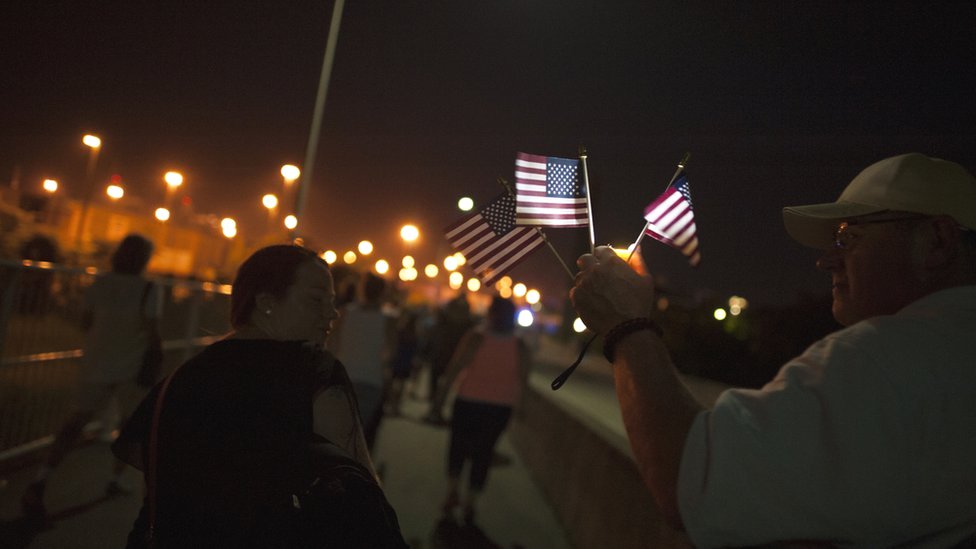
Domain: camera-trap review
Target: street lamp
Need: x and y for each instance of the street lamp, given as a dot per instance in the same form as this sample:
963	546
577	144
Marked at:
115	192
291	222
229	227
465	204
94	144
50	186
290	173
409	233
173	180
270	201
162	214
365	247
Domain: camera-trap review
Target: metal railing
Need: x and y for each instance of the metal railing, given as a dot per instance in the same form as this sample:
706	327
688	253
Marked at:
41	340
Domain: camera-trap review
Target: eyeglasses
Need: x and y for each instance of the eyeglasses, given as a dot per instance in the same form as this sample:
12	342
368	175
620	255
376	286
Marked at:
844	238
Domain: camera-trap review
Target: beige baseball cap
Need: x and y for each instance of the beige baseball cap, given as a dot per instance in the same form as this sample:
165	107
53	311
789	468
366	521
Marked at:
907	183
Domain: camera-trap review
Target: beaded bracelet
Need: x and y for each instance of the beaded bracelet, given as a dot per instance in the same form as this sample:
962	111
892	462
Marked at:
624	329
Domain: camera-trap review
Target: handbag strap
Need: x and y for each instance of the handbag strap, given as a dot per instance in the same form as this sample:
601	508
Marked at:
151	472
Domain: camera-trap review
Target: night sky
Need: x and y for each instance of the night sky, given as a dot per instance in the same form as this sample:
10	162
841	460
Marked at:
779	103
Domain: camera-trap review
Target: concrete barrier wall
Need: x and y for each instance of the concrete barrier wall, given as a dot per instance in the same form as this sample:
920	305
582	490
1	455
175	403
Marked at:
590	481
587	471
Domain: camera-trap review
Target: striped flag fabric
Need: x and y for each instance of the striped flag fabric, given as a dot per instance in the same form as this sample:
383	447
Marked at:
490	241
549	191
671	220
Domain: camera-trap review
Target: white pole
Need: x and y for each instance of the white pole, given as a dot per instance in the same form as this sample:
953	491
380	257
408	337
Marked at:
308	166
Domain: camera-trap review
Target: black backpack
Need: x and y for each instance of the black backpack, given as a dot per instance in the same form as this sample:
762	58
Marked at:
344	506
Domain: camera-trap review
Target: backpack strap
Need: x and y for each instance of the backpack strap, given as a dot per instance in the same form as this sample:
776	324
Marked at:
151	472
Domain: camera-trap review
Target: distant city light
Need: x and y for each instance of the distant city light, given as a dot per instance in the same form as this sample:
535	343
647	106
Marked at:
519	290
290	172
227	222
505	292
50	185
408	262
365	247
91	141
431	270
459	257
719	314
525	318
465	204
270	201
230	231
474	284
291	222
450	263
408	274
455	280
162	214
504	282
349	257
329	256
114	192
409	233
737	305
578	325
173	179
382	267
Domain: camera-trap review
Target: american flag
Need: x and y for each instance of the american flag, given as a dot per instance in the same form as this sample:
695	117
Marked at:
671	220
549	191
490	241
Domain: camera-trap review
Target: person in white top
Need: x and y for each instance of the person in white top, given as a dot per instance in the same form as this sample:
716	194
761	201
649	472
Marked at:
867	439
364	339
120	315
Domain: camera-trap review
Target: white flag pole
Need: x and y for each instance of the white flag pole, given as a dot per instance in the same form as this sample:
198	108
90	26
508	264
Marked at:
589	203
681	167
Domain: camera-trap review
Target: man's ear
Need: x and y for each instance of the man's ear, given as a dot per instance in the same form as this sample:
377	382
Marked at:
942	242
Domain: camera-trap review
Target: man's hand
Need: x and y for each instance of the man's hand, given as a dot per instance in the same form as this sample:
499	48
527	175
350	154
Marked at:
608	291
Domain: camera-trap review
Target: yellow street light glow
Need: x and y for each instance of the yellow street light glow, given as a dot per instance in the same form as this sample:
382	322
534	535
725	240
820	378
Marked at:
162	214
474	284
459	257
270	201
465	204
525	318
349	257
50	185
329	257
173	179
91	141
227	222
532	297
382	267
291	222
505	292
455	280
505	281
409	233
519	290
290	173
719	314
408	262
450	263
578	325
365	247
114	192
230	231
430	270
